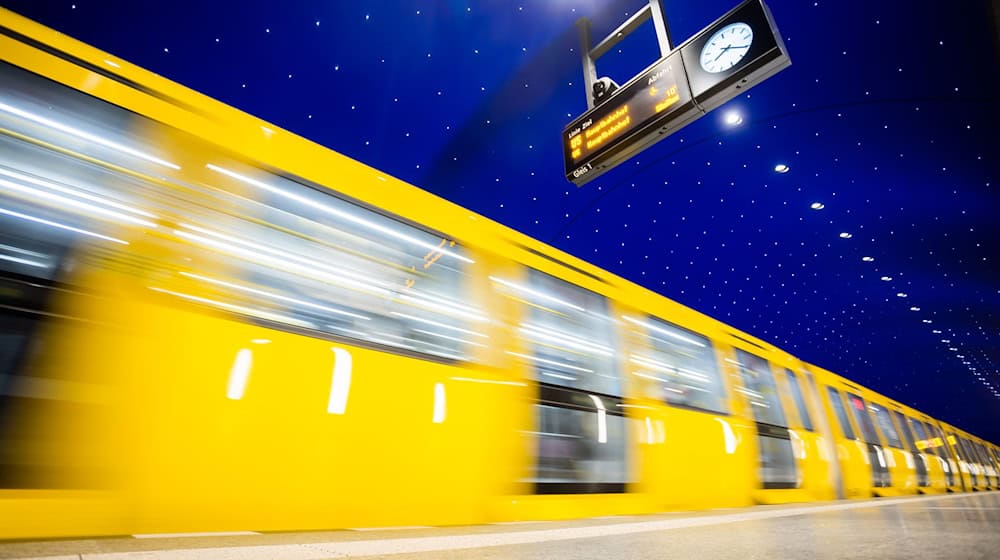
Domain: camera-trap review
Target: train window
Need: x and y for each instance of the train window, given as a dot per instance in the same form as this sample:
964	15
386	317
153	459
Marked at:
970	450
838	409
904	425
863	419
924	439
937	440
308	259
570	336
800	401
980	452
886	426
682	364
759	386
579	451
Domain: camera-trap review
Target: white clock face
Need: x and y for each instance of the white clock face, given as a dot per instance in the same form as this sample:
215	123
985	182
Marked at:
726	47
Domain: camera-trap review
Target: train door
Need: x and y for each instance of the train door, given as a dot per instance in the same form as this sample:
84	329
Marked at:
876	453
975	468
954	474
950	444
692	445
984	465
827	444
777	458
919	461
852	455
580	438
901	463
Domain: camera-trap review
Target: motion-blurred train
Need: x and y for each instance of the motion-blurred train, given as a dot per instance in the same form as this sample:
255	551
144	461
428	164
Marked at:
211	324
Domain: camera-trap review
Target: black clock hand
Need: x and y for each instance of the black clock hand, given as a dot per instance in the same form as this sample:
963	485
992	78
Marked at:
724	49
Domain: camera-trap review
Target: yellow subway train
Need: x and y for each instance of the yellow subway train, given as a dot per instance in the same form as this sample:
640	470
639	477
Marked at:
211	324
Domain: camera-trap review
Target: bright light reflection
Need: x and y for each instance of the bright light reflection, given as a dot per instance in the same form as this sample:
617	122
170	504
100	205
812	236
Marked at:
340	385
551	363
663	331
733	118
74	192
559	337
63	201
602	419
239	374
439	403
85	135
437	324
236	308
446	337
61	226
489	381
23	261
540	295
282	260
559	376
274	296
651	363
444	306
340	214
728	436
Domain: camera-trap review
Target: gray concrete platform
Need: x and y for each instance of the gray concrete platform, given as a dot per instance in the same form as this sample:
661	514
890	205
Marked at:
911	528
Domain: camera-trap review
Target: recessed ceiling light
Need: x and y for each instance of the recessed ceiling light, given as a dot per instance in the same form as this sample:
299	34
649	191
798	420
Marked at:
817	206
734	118
868	259
845	235
781	168
886	278
900	294
914	308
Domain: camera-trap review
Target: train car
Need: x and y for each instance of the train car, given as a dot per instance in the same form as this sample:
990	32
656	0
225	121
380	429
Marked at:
212	324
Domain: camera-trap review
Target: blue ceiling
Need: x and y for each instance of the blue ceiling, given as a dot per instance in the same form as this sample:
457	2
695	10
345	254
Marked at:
888	117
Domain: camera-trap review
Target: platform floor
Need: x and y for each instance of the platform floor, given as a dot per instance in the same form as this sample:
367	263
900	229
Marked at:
912	528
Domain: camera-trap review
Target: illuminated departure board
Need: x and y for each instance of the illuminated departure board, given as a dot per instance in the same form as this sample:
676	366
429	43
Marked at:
734	53
658	95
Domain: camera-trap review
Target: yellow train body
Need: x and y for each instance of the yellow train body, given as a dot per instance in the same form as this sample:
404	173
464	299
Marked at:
163	388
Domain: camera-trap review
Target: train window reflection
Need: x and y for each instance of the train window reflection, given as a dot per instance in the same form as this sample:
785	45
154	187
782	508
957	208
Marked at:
572	455
838	408
800	401
315	261
759	386
863	419
682	364
940	444
904	429
885	425
923	442
571	337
